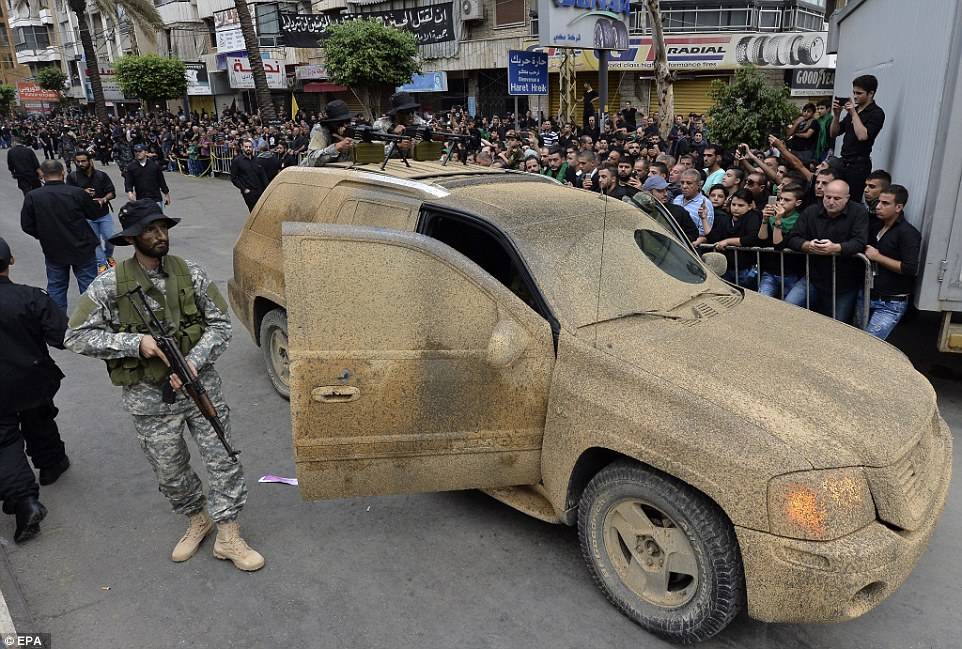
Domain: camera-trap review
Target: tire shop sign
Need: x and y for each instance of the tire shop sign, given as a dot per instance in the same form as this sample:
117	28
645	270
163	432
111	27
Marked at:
590	24
711	51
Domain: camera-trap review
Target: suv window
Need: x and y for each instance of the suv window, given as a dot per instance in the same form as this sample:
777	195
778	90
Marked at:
483	249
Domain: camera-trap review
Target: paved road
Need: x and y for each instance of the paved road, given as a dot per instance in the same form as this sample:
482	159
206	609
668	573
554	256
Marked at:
425	571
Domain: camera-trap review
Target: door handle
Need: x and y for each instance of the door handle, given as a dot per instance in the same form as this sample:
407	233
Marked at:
335	394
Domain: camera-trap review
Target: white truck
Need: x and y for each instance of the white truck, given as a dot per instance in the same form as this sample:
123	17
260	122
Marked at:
915	51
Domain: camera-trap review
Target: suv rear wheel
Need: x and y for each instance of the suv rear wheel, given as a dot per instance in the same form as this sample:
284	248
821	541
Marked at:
662	552
273	337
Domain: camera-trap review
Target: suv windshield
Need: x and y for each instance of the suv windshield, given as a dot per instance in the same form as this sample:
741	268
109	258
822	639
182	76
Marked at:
602	266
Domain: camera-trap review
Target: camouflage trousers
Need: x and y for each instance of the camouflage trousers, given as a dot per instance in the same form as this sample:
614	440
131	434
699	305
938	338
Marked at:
162	440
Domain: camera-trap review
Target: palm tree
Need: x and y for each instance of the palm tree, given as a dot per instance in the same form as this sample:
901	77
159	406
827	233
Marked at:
261	91
139	12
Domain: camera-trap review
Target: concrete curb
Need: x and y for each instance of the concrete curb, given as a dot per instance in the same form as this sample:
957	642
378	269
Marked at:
14	614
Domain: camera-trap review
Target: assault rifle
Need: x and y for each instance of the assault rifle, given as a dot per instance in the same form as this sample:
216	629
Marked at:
367	134
178	365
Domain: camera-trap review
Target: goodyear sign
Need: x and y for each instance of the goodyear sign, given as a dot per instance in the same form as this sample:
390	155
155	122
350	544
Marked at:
595	24
721	51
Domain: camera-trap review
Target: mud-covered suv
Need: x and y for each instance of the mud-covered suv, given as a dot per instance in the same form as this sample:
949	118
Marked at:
570	355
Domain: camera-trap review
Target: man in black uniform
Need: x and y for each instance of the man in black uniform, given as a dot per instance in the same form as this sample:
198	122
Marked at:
29	379
145	179
56	215
248	176
862	124
24	166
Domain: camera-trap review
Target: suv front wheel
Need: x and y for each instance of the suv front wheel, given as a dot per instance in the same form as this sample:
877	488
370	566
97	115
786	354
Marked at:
662	552
273	337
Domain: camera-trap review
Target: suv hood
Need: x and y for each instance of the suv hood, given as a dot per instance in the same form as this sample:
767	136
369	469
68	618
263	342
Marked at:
836	395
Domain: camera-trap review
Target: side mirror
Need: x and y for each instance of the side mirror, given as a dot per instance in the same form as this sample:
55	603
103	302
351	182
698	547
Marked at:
716	262
508	341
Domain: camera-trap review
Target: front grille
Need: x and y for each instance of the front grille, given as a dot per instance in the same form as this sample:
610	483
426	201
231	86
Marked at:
903	490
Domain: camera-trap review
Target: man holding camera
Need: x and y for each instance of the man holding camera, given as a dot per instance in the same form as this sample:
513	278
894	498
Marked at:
862	123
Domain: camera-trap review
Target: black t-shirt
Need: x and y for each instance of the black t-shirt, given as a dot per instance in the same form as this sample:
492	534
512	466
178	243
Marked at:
745	228
629	116
801	143
902	242
873	118
589	107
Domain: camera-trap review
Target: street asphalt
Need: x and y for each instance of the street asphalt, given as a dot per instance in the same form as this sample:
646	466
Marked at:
420	571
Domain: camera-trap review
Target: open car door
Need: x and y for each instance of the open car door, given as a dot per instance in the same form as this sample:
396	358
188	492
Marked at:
412	369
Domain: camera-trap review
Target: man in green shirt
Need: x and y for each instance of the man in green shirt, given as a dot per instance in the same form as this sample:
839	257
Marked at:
826	143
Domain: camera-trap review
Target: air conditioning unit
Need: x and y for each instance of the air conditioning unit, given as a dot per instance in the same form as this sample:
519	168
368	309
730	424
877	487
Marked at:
471	10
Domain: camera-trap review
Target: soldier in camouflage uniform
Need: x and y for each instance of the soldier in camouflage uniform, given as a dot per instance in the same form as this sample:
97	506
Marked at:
104	326
328	143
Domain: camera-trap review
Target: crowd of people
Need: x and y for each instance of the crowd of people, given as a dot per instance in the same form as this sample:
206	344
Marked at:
794	197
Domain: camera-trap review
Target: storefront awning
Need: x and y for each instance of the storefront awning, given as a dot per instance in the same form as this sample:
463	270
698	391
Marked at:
321	86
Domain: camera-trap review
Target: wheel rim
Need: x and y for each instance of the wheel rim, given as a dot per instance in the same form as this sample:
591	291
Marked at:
651	554
279	360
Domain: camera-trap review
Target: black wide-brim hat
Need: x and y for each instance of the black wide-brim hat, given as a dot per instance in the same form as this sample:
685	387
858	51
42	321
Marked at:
402	101
135	216
336	112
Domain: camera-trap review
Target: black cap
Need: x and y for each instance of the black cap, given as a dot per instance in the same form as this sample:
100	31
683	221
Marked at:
140	147
137	215
5	253
336	112
402	101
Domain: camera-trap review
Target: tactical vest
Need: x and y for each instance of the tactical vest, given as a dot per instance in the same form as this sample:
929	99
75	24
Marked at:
185	322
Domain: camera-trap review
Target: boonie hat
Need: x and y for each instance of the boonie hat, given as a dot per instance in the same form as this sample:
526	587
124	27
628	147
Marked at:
401	101
137	215
139	147
654	182
336	112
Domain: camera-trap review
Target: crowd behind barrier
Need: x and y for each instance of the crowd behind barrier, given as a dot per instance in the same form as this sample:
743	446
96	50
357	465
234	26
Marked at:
620	158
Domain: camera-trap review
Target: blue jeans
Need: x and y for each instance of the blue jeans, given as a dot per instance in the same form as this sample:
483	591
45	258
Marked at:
821	300
883	316
103	227
58	279
193	167
746	277
771	285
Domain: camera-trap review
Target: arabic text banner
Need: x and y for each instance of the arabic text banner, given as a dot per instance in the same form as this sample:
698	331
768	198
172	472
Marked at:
240	75
432	24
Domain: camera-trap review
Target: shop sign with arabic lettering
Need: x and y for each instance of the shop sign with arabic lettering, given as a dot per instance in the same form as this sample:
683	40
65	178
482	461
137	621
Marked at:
241	76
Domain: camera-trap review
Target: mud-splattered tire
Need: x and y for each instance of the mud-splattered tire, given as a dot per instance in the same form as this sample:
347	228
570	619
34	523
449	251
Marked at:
663	553
273	337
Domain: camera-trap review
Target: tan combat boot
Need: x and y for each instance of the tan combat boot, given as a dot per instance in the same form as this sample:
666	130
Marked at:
230	545
199	526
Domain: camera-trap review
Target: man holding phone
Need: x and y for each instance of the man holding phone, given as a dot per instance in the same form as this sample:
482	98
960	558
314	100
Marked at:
862	123
838	227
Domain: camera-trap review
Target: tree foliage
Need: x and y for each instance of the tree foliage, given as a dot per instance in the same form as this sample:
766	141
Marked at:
7	96
151	77
51	78
748	110
371	56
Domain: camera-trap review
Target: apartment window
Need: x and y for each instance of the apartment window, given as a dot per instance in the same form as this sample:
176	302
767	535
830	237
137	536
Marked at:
6	60
809	21
769	19
4	38
32	38
703	19
269	23
509	12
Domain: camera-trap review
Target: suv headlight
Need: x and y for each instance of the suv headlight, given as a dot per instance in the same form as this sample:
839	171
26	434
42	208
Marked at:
820	505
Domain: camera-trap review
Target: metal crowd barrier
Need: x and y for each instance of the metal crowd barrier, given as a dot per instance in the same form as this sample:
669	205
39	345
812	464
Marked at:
221	155
758	252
